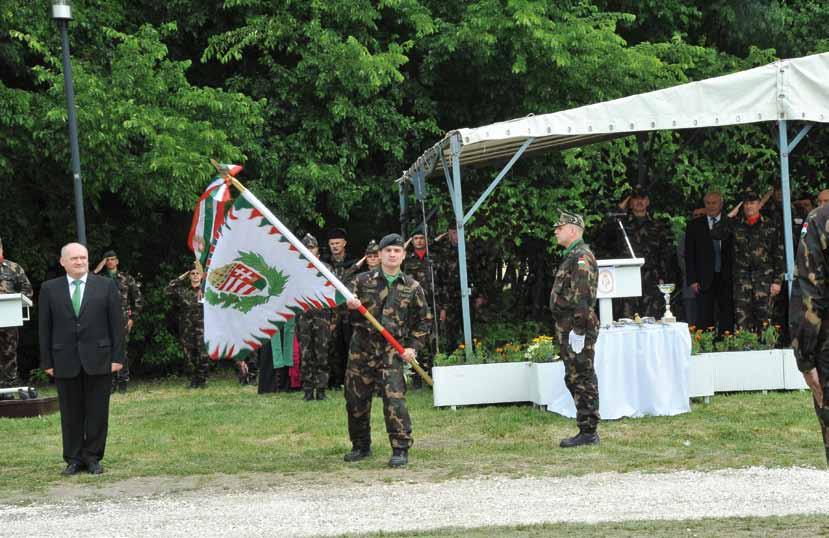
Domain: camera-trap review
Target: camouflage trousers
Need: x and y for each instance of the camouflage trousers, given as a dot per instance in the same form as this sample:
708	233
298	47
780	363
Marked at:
315	336
752	301
822	366
123	375
361	377
450	330
198	363
580	378
8	356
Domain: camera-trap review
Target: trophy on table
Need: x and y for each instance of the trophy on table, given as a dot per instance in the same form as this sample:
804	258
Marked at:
666	290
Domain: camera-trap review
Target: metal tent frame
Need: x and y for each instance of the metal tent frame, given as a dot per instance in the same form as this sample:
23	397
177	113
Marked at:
786	90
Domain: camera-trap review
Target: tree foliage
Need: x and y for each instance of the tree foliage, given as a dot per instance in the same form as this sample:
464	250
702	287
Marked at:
326	102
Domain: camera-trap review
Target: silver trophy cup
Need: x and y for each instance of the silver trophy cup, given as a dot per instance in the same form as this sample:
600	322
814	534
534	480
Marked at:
666	290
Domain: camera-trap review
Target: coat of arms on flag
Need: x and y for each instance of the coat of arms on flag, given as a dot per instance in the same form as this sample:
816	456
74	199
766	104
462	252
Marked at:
256	281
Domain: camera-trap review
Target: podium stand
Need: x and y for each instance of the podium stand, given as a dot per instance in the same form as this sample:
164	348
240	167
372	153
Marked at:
617	278
11	309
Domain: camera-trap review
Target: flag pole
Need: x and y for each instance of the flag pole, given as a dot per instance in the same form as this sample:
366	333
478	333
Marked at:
344	291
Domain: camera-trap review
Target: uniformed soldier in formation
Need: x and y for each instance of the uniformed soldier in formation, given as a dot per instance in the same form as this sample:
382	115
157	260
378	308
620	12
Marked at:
573	301
809	313
448	290
187	294
314	329
131	304
650	239
12	280
758	262
419	264
398	302
343	268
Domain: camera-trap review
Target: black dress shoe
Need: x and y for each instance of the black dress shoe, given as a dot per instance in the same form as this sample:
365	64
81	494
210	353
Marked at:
582	438
72	468
95	468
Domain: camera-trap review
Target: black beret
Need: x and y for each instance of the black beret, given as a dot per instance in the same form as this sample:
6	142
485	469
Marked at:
750	196
110	254
639	192
336	233
391	240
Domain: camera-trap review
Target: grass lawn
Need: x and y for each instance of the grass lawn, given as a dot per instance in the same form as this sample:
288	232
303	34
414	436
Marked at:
787	527
162	429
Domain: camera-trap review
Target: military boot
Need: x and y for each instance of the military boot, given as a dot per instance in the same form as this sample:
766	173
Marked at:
122	387
321	394
399	457
309	395
357	453
583	438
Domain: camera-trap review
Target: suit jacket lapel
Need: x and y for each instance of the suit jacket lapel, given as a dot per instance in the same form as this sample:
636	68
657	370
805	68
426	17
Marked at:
87	293
65	298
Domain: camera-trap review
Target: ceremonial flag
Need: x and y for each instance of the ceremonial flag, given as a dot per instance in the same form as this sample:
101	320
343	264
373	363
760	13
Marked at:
258	279
209	213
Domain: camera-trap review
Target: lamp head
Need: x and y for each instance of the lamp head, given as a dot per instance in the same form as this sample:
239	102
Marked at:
62	10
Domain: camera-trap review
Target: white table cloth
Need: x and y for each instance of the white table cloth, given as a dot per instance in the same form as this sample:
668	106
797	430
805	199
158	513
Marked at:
642	370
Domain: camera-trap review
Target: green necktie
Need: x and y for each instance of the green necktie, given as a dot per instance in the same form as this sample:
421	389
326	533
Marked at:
76	296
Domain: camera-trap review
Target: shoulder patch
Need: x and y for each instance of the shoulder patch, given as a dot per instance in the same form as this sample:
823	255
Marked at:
804	228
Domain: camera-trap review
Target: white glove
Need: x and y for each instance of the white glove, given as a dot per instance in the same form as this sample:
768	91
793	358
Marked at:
576	342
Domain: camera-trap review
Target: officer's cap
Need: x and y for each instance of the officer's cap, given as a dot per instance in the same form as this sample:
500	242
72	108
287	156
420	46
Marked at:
310	241
418	231
750	196
336	233
566	217
391	240
110	254
372	247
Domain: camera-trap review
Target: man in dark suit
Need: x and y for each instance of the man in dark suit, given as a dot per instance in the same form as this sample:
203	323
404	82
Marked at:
708	267
81	337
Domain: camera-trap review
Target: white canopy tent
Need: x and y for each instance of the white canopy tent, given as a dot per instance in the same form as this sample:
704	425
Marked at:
786	90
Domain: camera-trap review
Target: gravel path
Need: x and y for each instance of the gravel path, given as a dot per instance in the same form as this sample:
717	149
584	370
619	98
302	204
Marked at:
326	510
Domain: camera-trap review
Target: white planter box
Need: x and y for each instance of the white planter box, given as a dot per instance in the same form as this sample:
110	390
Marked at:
747	370
545	376
11	309
792	377
701	376
483	383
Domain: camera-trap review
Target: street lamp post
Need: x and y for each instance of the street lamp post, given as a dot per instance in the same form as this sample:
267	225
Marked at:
62	13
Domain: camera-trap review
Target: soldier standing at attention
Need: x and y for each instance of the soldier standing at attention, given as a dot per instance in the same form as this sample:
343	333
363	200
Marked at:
398	302
187	295
573	300
418	264
131	304
651	240
758	262
449	291
809	313
343	268
12	280
314	329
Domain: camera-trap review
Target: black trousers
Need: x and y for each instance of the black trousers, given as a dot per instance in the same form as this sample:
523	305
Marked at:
84	416
715	306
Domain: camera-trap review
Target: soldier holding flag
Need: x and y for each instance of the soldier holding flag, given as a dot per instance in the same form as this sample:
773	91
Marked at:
399	302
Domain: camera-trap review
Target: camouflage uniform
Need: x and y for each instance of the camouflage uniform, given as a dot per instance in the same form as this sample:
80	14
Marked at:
344	270
809	310
757	264
422	270
187	301
12	280
651	240
314	330
447	281
132	303
402	309
572	301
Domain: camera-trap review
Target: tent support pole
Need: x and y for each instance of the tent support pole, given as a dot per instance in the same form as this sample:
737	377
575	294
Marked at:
787	207
457	205
498	179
